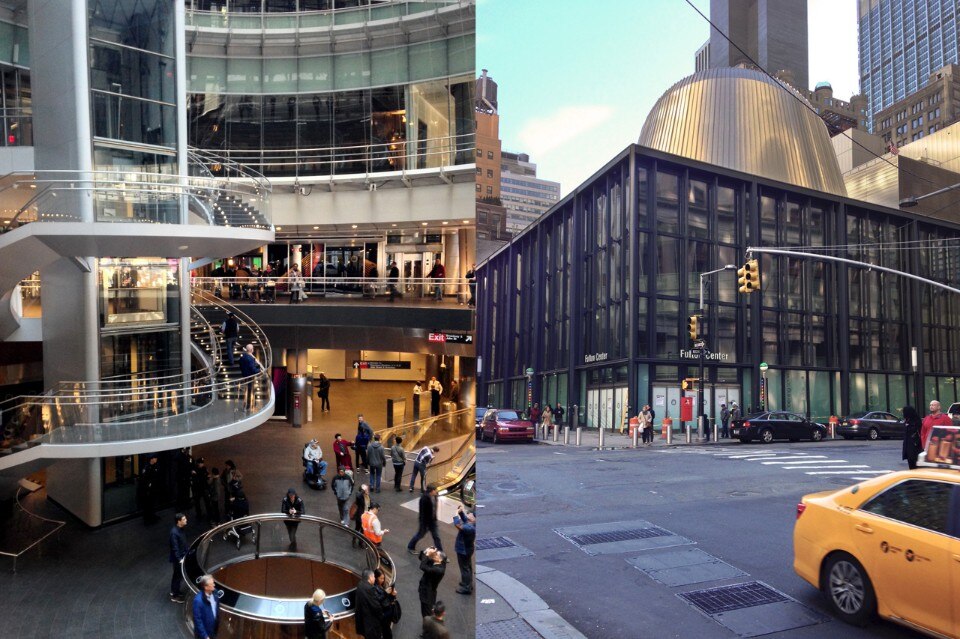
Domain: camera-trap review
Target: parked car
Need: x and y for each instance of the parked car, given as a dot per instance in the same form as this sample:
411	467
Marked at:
886	546
875	424
771	425
501	424
480	412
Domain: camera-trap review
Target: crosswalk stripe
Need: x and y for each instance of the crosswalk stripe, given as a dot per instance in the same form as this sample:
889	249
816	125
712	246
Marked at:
823	467
796	457
851	472
812	461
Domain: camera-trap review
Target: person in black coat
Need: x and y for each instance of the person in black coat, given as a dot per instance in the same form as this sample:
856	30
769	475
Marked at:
912	424
428	520
292	507
370	609
150	488
316	620
178	550
323	392
433	565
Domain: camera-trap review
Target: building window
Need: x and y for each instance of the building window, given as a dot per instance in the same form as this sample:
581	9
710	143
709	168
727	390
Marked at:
489	173
479	153
489	155
479	171
489	190
478	188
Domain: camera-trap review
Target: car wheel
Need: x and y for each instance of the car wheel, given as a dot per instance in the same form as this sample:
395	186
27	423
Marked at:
873	434
766	435
817	435
496	439
848	589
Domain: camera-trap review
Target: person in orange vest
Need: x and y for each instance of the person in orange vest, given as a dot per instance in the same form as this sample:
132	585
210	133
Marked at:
371	525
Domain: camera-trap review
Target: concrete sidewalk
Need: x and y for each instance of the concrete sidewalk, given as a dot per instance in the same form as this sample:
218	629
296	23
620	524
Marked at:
506	609
613	440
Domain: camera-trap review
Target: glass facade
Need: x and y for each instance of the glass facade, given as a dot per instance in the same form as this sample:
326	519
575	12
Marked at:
609	308
901	43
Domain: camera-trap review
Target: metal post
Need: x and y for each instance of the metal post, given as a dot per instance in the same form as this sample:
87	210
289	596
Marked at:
600	430
636	432
716	432
566	435
670	434
689	432
579	434
556	433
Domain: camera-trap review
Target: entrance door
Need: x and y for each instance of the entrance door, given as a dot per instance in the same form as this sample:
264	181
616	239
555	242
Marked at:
619	406
593	407
673	403
606	408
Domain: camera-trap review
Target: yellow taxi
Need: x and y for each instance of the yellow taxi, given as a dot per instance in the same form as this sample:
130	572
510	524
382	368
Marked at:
889	546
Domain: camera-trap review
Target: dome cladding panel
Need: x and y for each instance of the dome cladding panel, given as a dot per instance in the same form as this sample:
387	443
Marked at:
743	120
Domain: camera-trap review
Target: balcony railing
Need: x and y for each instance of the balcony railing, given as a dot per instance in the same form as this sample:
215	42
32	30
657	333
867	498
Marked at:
300	14
399	155
268	288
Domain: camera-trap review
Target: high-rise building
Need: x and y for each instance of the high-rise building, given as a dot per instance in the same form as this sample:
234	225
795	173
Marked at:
701	60
901	44
839	115
923	112
491	215
771	32
525	196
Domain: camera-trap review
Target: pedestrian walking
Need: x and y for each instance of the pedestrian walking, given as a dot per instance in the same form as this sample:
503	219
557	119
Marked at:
435	388
292	507
361	504
230	329
370	522
150	487
376	459
535	413
206	612
323	392
427	519
361	442
393	278
558	415
437	274
341	452
424	457
724	421
433	565
198	479
912	443
342	488
316	620
388	595
464	547
546	418
297	293
250	366
646	422
434	626
178	550
472	285
399	458
735	412
370	608
213	496
934	418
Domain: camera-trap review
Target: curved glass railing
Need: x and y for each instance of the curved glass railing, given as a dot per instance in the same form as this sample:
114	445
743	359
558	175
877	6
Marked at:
300	14
236	552
146	406
268	288
399	155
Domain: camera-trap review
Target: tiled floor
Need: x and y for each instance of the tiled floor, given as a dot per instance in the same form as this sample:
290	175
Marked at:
113	582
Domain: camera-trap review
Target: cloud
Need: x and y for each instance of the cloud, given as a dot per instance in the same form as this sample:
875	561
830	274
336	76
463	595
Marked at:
541	135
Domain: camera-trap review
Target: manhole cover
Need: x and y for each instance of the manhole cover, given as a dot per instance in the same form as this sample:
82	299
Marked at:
489	543
619	535
713	601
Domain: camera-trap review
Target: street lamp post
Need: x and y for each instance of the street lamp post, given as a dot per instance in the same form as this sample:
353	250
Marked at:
701	408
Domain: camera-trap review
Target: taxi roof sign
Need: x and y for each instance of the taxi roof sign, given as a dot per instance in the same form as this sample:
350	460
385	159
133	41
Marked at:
943	449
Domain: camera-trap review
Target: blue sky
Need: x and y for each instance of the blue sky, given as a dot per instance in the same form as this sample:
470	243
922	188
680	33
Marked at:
577	79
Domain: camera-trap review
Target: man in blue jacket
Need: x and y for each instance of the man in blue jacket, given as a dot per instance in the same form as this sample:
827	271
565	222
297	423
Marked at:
466	540
206	610
178	550
249	366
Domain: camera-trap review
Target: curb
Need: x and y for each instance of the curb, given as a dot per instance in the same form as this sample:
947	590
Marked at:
528	605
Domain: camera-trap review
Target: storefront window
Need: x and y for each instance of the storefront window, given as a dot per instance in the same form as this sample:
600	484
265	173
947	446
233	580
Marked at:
139	291
820	404
668	203
858	392
897	393
795	391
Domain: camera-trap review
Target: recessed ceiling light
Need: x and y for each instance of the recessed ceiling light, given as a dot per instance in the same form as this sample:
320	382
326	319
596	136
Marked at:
279	228
394	225
183	248
423	223
316	228
353	226
466	221
445	223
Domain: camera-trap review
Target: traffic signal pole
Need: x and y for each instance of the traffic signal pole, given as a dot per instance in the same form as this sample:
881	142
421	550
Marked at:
701	399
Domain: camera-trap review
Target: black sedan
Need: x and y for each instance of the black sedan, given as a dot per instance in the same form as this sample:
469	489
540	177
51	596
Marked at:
875	424
772	425
480	412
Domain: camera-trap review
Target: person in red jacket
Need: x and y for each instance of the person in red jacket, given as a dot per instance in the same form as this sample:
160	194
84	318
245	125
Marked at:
341	450
935	418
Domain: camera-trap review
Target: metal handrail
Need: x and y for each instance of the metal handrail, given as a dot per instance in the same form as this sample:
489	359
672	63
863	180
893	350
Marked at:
332	280
264	17
56	523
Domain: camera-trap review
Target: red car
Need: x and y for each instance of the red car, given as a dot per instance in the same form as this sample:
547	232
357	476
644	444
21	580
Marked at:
501	424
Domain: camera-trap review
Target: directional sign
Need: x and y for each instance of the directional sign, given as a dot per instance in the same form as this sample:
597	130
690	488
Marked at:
452	338
699	344
375	364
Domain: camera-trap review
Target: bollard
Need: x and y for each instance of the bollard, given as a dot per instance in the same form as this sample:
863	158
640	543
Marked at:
636	432
579	434
716	432
669	434
689	432
600	430
556	433
566	435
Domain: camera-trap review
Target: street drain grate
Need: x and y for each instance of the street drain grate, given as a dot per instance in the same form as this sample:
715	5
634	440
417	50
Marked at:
489	543
713	601
619	535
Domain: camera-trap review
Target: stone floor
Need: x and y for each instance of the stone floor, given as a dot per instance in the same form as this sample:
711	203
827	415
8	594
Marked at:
113	582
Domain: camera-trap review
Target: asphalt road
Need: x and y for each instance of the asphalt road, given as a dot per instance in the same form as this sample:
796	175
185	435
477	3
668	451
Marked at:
703	504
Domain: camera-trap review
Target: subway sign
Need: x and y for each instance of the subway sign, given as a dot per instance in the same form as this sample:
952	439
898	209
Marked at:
379	364
451	338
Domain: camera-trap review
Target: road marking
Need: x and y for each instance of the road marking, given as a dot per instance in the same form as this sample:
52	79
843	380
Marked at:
754	456
558	453
821	467
851	472
812	461
796	457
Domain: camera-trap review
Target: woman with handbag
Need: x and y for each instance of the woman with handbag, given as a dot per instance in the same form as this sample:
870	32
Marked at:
391	606
316	621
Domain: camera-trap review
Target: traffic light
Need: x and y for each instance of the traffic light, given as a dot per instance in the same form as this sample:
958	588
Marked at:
748	277
690	383
693	327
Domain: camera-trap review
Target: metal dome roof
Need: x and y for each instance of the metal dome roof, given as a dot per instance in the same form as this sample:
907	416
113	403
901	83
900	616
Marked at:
744	120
